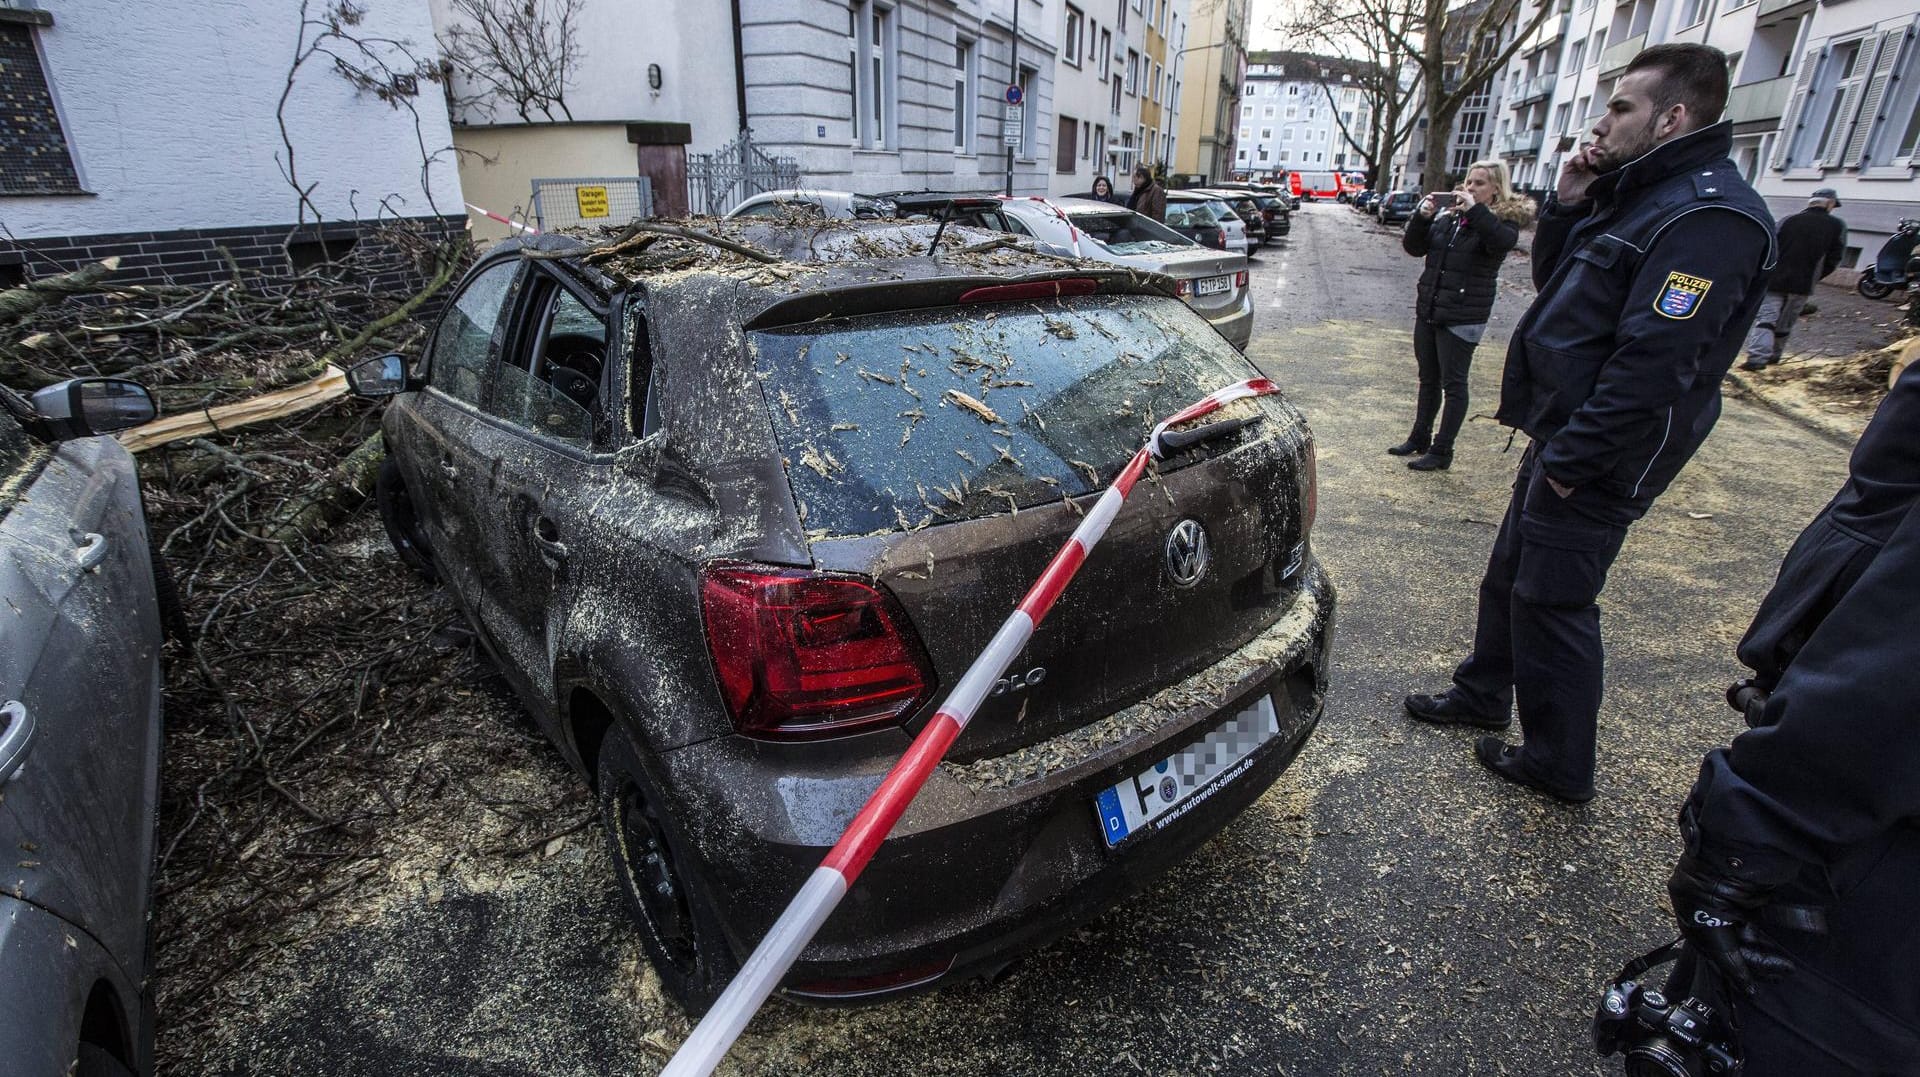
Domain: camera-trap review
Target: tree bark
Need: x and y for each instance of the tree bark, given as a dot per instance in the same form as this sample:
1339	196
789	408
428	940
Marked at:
312	514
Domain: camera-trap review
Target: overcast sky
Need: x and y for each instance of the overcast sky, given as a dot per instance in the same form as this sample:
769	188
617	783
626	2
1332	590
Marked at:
1267	15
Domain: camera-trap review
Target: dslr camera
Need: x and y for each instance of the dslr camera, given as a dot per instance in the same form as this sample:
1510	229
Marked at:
1661	1037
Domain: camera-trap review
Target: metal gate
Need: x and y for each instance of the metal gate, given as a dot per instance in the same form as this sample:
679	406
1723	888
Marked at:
590	200
718	181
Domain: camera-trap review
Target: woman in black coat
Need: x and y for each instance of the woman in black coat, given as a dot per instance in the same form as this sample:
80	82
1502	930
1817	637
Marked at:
1464	235
1103	192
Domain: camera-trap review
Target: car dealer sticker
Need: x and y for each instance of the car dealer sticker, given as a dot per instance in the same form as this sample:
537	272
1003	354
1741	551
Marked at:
1158	795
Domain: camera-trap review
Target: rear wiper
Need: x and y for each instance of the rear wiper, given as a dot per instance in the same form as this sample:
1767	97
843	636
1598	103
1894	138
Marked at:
1174	441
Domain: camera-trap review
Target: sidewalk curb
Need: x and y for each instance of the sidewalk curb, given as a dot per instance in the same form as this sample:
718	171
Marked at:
1797	415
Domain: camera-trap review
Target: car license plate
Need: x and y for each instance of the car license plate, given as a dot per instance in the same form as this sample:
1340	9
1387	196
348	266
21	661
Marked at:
1158	795
1212	285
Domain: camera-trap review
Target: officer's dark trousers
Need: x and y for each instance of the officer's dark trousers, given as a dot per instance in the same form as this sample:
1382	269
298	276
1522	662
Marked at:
1536	644
1443	359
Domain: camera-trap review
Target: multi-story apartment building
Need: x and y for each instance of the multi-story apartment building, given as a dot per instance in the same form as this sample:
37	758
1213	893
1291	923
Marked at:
1113	90
1209	71
1299	112
1825	94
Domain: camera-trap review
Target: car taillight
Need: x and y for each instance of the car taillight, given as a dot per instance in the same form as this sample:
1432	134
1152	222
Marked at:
1180	288
1312	508
1240	279
802	654
1220	236
1045	289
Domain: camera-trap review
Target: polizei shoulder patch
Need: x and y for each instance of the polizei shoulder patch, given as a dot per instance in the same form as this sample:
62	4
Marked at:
1680	299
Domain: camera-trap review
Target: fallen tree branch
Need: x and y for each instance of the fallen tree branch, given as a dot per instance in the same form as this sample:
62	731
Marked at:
278	404
17	303
342	491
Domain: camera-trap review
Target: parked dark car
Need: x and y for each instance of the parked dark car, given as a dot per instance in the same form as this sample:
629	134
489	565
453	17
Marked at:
733	529
1366	202
1398	206
1198	221
1245	208
79	733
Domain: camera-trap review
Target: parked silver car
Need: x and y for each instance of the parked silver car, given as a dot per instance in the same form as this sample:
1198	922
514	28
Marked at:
1214	283
79	733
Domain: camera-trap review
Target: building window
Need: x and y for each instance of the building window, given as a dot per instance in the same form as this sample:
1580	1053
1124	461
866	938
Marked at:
1599	46
1063	144
1286	134
34	156
965	124
1246	133
1133	72
1246	111
1563	117
1247	91
872	75
1106	54
1100	144
1293	113
1076	23
1242	155
1266	134
1692	11
1156	83
1116	94
1266	112
1028	115
1086	139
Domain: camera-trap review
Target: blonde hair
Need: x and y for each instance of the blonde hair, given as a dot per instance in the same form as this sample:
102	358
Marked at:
1506	201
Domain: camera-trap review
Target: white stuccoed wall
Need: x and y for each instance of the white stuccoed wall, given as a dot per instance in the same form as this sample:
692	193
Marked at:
169	111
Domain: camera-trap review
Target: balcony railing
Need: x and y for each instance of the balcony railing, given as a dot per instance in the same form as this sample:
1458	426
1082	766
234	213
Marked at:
1523	144
1535	89
1757	102
1550	31
1620	54
1771	9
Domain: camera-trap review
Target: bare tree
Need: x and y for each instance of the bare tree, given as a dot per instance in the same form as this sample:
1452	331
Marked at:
514	54
1367	39
1446	47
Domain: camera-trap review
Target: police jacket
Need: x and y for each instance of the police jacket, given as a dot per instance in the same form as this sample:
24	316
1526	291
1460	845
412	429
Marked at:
1812	242
1646	291
1463	253
1822	796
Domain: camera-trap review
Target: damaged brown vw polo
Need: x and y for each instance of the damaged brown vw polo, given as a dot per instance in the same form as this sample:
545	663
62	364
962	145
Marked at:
733	517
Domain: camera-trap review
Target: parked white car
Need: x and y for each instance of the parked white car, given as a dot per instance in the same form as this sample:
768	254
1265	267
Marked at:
827	203
1214	283
1216	207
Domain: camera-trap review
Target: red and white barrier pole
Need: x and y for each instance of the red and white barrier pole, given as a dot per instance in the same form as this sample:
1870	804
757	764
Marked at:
822	891
508	221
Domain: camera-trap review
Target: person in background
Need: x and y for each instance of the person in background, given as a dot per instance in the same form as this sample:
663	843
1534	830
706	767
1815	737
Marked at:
1812	242
1464	235
1817	805
1148	199
1651	258
1103	192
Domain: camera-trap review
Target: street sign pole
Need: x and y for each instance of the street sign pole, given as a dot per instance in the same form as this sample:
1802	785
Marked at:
1013	81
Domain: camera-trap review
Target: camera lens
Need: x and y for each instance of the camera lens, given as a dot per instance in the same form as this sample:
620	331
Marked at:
1657	1058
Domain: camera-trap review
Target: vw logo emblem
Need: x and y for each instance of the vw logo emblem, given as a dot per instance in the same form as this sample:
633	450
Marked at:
1188	553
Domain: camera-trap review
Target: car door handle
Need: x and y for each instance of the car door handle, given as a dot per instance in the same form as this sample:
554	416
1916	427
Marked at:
547	537
16	740
90	550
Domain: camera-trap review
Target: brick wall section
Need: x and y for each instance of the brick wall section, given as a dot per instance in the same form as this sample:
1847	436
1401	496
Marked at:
192	256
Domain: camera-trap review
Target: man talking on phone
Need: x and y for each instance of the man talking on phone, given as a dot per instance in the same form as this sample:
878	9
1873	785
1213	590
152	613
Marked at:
1651	258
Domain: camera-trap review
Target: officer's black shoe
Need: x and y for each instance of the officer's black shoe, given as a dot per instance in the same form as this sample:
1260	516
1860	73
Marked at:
1446	709
1408	447
1753	366
1434	460
1504	759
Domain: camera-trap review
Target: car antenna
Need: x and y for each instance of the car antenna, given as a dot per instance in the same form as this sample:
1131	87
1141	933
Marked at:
946	215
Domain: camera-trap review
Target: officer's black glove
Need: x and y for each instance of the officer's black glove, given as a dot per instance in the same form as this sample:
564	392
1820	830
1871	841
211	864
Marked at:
1715	912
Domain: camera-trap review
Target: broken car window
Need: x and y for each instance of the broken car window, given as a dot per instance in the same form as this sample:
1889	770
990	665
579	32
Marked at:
463	346
894	420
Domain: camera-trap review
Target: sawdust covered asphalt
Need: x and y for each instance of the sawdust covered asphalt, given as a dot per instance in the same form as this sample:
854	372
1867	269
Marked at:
1386	908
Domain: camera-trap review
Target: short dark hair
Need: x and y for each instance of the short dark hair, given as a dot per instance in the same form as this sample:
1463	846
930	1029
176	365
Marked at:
1691	75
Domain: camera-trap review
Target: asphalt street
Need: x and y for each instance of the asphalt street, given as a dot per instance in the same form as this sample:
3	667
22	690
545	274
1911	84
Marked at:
1386	908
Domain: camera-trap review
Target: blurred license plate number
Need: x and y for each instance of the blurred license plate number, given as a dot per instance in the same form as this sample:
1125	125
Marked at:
1158	795
1212	285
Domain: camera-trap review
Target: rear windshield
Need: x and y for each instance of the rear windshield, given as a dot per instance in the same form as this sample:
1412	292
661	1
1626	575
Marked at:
1199	212
922	417
1129	233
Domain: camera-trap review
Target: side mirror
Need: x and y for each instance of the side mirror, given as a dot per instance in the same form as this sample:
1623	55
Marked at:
380	377
87	407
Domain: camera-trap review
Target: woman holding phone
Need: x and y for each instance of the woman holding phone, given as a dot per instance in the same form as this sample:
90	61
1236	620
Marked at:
1463	235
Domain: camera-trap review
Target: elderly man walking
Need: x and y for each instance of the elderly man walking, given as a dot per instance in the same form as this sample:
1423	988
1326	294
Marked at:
1812	242
1651	259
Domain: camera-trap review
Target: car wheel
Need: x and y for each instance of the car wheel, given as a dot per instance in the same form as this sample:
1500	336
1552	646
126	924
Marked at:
97	1061
679	925
403	525
1872	288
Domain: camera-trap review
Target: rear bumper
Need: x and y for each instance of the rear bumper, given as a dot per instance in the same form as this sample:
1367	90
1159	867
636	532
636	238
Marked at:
979	871
1236	322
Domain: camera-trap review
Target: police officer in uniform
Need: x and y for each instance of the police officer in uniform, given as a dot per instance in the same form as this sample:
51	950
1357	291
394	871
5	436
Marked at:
1650	259
1818	805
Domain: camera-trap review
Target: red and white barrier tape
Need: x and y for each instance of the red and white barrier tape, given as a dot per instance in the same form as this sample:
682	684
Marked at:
822	891
508	221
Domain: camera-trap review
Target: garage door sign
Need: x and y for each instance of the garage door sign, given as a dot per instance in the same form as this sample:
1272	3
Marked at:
829	882
592	201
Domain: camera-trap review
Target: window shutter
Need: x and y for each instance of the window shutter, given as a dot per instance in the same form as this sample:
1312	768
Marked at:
1835	153
1892	44
1796	108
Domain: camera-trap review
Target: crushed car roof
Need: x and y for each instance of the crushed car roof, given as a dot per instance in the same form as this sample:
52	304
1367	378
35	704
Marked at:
756	263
